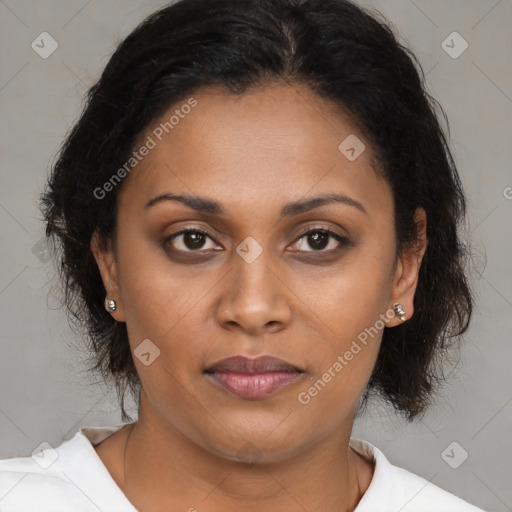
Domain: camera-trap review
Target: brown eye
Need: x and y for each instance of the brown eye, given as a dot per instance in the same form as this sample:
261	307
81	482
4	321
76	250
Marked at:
320	239
189	240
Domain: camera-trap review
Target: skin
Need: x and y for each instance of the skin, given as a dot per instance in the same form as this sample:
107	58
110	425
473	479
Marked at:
253	154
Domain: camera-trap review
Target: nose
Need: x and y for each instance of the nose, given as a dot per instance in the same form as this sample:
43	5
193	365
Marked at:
255	298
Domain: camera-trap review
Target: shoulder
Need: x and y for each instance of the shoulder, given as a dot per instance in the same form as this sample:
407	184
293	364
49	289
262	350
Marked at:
69	477
393	488
39	481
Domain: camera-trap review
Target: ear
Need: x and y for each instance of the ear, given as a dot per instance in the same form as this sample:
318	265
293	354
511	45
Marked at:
105	257
407	270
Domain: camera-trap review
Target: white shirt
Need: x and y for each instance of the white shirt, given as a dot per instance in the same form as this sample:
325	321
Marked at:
72	478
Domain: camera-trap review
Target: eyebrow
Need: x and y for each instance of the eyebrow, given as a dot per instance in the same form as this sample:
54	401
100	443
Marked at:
206	205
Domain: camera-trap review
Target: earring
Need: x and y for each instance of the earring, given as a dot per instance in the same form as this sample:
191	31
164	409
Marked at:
110	305
399	310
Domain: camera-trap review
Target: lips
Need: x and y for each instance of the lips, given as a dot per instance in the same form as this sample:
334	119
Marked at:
261	364
253	378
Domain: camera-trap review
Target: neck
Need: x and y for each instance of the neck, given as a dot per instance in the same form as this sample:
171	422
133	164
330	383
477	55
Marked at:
165	465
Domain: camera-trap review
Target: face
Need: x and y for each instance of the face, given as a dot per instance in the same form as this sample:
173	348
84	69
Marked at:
264	269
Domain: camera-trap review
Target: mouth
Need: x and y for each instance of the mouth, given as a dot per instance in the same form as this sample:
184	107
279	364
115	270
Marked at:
253	378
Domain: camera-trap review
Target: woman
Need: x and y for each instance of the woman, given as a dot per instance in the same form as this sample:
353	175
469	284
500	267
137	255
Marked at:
257	218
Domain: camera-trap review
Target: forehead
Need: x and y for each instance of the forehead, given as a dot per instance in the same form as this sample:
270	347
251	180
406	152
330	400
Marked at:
267	146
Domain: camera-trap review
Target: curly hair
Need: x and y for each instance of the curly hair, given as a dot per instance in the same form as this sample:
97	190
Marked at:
344	53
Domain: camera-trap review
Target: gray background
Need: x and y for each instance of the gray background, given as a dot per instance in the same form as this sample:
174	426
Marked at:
46	394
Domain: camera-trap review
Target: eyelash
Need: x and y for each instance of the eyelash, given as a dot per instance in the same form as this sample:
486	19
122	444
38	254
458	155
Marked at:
341	239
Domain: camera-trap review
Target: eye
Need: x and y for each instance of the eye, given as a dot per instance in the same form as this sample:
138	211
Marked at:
189	240
319	239
195	240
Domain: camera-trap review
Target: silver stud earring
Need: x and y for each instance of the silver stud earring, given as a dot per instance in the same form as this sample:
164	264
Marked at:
110	305
399	310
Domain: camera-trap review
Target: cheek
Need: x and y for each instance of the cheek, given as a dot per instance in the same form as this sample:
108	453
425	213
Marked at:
348	309
165	303
352	325
349	297
154	292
